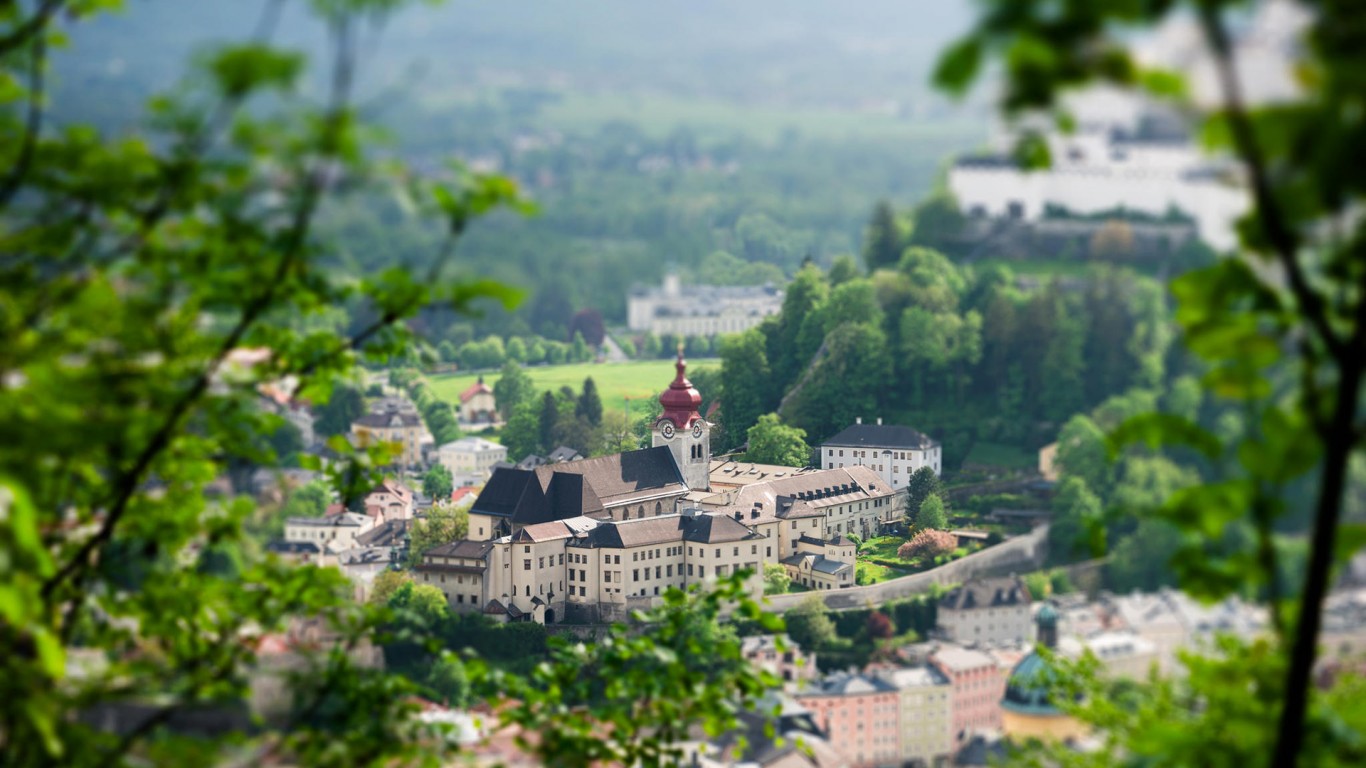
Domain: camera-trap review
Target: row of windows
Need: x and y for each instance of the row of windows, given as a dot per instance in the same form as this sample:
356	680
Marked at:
896	455
666	571
651	554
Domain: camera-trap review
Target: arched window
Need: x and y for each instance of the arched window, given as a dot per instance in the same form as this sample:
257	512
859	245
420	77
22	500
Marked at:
659	508
640	511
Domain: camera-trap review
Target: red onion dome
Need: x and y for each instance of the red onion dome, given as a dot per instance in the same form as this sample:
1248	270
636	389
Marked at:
681	400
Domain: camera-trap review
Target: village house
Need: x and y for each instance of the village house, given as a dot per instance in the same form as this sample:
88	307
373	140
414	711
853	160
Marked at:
860	714
787	663
393	423
894	452
821	563
334	533
926	725
987	612
471	457
392	500
477	405
977	681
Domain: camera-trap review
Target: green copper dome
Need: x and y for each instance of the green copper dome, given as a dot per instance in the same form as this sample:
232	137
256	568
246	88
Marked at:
1027	690
1047	616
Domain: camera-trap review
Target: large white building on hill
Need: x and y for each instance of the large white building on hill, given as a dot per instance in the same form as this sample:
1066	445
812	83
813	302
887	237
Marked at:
893	452
700	310
591	540
1128	153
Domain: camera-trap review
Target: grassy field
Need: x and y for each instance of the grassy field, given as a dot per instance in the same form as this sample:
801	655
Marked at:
639	380
872	573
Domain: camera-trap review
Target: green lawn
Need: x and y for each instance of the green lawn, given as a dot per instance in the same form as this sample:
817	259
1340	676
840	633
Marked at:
640	380
881	546
872	573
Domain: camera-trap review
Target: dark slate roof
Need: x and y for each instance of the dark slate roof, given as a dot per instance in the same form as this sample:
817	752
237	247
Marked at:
391	533
715	529
832	567
294	547
846	684
579	488
388	419
985	593
503	492
462	548
563	453
531	461
761	740
621	476
881	436
639	532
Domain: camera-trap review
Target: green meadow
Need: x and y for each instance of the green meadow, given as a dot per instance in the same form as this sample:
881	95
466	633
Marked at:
639	380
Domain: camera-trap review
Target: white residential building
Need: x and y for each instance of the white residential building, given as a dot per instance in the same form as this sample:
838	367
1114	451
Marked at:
334	533
987	612
893	452
471	456
926	726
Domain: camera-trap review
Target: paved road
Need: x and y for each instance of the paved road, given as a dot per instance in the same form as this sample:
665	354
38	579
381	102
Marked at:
613	353
1020	555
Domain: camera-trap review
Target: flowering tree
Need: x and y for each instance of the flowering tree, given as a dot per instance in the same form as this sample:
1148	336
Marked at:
928	544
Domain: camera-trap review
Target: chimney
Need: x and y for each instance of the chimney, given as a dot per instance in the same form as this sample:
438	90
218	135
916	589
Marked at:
858	419
879	421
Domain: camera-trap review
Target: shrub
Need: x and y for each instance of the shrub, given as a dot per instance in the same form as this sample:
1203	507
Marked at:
927	544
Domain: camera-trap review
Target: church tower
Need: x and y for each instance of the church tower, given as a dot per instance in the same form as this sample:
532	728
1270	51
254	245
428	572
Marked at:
683	429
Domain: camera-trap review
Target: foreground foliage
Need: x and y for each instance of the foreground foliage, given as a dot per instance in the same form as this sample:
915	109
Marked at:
1281	333
151	285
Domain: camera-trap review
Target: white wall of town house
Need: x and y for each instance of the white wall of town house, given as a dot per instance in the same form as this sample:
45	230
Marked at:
988	624
481	527
336	537
925	723
894	466
464	591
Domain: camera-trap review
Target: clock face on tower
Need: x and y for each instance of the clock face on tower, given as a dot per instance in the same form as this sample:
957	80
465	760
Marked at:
697	429
666	428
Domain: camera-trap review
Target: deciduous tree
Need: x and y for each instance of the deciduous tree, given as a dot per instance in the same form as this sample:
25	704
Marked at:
1242	321
922	484
442	524
932	515
776	580
513	388
772	442
438	483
